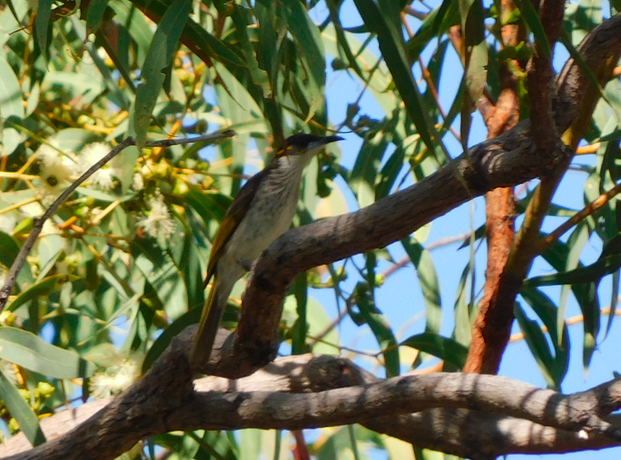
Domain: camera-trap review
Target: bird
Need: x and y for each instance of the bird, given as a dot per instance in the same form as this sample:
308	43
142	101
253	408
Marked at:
262	211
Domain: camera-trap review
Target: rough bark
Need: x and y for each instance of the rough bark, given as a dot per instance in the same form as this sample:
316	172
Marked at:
488	339
304	392
165	399
507	160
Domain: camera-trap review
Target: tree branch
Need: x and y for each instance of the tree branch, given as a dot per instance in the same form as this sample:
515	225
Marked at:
19	261
507	160
500	217
541	79
165	399
482	436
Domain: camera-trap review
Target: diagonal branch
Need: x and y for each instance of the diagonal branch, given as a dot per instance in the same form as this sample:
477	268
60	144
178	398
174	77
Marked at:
507	160
19	261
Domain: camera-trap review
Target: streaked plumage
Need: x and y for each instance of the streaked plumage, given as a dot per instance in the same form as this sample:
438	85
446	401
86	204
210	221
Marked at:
261	212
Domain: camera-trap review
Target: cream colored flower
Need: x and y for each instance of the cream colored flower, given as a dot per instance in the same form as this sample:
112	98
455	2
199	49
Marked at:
158	223
56	170
138	183
115	379
105	176
55	164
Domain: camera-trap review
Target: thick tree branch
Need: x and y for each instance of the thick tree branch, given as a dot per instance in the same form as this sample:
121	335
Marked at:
328	391
300	373
164	399
541	79
507	160
482	436
500	217
525	248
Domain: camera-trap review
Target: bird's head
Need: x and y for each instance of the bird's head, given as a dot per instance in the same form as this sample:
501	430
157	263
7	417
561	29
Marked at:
305	146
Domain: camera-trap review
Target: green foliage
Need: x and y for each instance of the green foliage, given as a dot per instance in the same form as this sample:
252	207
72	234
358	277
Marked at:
118	270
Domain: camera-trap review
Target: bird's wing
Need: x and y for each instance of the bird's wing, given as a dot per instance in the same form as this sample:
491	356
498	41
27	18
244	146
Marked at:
232	218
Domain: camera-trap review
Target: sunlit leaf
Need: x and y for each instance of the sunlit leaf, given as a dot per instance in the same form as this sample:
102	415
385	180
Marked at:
19	408
442	347
158	57
428	279
26	349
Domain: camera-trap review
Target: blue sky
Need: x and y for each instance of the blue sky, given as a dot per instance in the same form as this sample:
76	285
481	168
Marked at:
400	299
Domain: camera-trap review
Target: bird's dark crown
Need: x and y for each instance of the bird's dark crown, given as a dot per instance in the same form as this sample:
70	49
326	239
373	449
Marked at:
302	140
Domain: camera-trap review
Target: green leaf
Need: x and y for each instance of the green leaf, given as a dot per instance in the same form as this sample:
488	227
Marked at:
163	341
391	46
435	66
428	279
104	196
209	205
312	55
476	73
10	249
363	174
158	58
43	24
389	173
447	349
10	92
10	106
300	290
11	19
334	6
561	255
50	247
27	350
435	24
119	54
95	14
543	306
380	327
189	265
536	343
136	24
590	273
530	15
169	288
259	76
20	410
463	323
41	288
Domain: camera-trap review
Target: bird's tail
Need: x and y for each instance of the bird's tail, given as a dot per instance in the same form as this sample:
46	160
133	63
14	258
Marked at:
209	323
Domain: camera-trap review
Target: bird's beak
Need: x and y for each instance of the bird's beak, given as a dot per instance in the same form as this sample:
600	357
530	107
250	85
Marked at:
326	140
329	139
324	155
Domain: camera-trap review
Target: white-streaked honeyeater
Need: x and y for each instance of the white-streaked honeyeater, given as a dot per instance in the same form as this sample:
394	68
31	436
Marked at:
260	213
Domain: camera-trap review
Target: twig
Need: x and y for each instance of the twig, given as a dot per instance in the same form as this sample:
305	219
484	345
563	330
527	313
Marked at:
585	212
433	245
19	261
568	322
